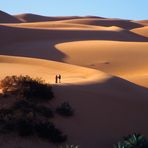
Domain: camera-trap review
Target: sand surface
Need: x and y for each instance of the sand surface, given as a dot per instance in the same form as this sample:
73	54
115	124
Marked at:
144	22
142	31
125	59
103	63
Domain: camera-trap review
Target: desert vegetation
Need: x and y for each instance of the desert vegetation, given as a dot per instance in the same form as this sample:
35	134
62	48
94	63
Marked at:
69	146
133	141
29	115
65	109
26	87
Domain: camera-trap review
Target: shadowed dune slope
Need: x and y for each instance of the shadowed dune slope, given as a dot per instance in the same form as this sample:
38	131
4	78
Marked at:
141	31
105	113
128	60
26	34
7	18
106	107
126	24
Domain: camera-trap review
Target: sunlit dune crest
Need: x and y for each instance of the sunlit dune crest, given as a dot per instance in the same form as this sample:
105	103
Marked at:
141	31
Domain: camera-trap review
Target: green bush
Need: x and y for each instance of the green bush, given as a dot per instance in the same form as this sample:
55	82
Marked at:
26	87
65	109
133	141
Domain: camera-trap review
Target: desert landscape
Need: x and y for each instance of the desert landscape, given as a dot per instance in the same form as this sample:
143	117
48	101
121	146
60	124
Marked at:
103	64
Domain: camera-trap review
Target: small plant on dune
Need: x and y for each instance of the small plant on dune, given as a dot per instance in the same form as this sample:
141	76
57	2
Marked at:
133	141
26	87
65	109
69	146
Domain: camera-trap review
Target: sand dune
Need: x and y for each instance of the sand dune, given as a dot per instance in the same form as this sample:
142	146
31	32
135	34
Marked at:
48	69
126	24
7	18
144	22
29	17
106	107
97	126
67	26
93	124
141	31
124	59
55	25
29	34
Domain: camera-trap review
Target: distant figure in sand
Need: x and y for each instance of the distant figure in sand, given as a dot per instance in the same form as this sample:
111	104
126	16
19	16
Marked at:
58	78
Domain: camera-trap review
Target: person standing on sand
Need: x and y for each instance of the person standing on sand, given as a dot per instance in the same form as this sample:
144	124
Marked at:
59	78
56	79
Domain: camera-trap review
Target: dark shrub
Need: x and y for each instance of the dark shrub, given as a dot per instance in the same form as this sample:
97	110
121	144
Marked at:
28	107
6	114
9	126
26	87
27	116
133	141
65	109
44	111
7	122
48	131
24	127
24	106
9	84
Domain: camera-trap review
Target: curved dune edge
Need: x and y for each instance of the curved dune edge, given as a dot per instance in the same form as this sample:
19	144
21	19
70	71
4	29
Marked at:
126	60
63	25
47	70
141	31
7	18
53	25
126	24
29	34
